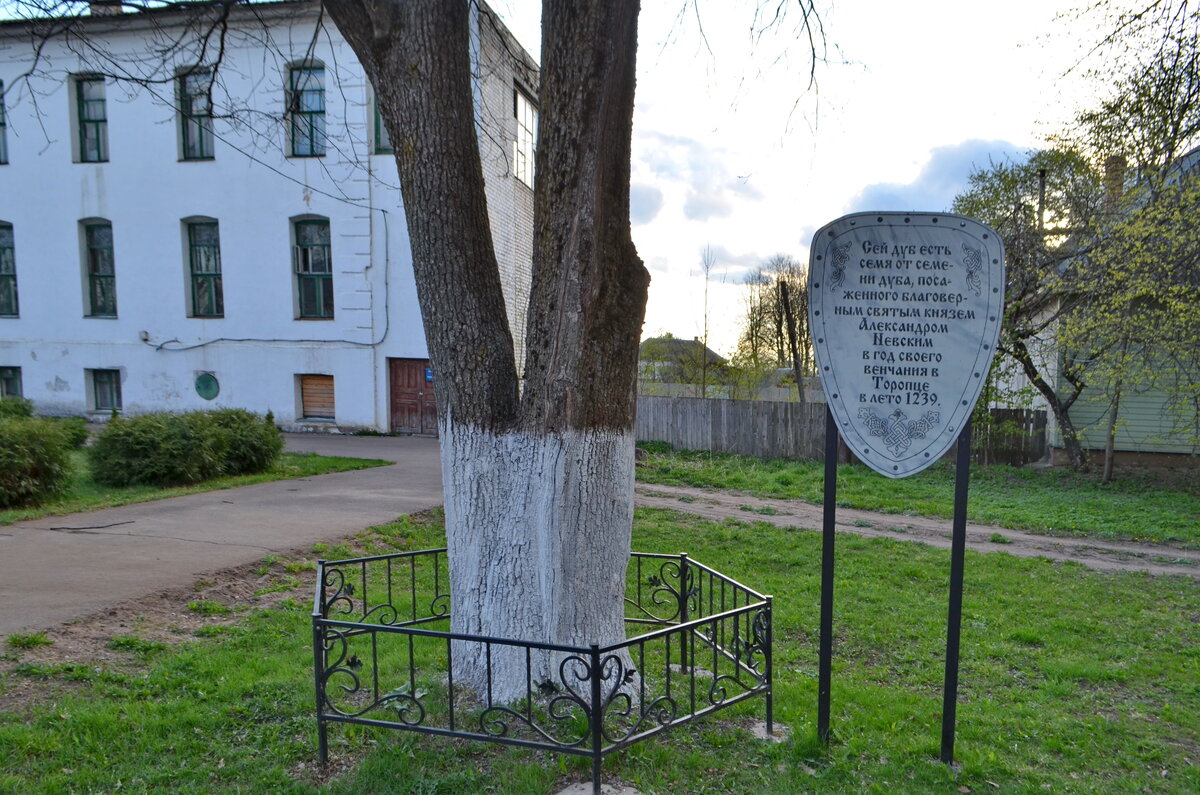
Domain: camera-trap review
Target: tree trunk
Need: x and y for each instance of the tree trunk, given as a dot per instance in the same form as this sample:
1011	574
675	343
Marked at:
793	343
538	489
1059	407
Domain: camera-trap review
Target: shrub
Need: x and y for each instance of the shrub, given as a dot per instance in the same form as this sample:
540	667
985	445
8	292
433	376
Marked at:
174	449
252	443
33	461
74	430
16	407
156	450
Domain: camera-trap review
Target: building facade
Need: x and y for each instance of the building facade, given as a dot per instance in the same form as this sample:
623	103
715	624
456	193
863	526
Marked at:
219	223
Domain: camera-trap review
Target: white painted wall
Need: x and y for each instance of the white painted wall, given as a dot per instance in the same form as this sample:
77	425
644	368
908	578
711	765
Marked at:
251	188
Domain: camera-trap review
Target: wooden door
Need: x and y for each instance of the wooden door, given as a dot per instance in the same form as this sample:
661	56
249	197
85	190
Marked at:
413	408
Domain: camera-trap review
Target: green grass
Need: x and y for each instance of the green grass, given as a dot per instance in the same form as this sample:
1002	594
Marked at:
209	607
1044	501
28	640
1071	681
84	494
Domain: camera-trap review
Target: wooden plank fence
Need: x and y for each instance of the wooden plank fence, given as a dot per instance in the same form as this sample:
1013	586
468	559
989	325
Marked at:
745	427
768	429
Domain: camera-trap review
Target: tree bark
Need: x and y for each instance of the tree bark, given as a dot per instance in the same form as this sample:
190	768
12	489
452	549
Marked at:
1058	406
538	488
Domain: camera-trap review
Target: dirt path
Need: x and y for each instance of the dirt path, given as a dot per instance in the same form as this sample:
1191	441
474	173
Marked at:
1093	553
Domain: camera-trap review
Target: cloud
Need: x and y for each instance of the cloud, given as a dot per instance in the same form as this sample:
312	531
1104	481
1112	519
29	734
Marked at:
731	267
710	188
700	206
660	264
644	203
942	178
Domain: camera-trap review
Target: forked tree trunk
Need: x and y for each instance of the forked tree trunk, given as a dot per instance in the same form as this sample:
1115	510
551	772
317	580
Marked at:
1059	406
538	488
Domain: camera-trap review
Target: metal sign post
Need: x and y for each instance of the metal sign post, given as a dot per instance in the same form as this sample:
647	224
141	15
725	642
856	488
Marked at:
958	545
825	665
905	311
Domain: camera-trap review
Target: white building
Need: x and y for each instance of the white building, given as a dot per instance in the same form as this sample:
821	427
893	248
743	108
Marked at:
201	238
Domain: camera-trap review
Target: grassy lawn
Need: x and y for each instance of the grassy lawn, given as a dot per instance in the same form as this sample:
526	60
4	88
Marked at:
1071	681
1147	508
85	494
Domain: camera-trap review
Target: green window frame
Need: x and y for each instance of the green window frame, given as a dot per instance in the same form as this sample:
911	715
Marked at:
3	128
306	111
525	145
101	270
195	114
10	382
9	306
106	390
383	141
204	263
92	115
313	264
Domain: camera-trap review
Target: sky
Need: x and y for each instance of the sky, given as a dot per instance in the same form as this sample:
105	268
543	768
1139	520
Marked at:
732	151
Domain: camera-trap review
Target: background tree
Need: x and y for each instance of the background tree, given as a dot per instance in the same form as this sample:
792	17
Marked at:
775	331
1045	209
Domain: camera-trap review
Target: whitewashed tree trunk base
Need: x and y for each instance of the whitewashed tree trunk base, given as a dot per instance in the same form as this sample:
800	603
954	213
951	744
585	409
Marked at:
538	529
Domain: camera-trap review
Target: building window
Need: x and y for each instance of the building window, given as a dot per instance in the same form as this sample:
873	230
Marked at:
106	389
10	382
8	273
204	263
314	270
316	397
306	110
383	142
3	128
195	114
101	270
93	120
526	144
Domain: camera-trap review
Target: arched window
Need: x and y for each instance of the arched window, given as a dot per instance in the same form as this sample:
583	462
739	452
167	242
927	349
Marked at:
8	272
195	113
99	266
312	261
206	294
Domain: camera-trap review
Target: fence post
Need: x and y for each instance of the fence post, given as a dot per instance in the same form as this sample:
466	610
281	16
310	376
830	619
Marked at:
770	670
597	720
319	663
684	617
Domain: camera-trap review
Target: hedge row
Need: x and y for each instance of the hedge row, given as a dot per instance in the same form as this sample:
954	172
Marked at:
174	449
34	463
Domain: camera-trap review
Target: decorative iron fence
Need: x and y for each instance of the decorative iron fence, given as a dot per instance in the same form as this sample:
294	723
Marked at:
383	656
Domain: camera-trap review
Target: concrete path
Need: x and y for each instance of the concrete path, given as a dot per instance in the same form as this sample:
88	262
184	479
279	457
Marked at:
63	567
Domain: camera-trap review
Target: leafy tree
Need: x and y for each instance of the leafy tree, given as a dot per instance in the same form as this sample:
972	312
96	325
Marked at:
1142	272
1045	209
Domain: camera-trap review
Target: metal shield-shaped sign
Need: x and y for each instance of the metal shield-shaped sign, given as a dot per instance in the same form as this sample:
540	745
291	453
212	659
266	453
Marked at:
905	311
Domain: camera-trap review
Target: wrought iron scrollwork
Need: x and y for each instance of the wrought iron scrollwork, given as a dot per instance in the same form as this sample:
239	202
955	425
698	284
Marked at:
569	710
342	601
384	614
344	665
662	593
409	709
